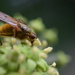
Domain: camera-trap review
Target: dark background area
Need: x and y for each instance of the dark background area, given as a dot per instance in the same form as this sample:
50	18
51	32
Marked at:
58	14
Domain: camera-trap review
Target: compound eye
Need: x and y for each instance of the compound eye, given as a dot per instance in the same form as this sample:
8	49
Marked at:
33	36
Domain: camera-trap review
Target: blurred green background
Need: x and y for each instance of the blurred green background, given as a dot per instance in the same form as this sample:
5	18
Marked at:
59	14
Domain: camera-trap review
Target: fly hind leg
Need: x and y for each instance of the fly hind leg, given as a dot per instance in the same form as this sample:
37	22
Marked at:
0	43
1	39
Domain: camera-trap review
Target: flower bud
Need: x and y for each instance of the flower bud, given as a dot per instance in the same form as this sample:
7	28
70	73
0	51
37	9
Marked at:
47	50
37	42
53	64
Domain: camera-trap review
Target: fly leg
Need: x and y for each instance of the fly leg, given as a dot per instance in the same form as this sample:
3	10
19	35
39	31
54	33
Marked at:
0	42
32	43
14	30
14	35
0	38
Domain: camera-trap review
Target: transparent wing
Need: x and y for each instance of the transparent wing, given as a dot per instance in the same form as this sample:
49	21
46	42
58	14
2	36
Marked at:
21	21
8	19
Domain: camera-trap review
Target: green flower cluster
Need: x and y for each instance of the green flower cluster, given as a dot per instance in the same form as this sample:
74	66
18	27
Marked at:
17	58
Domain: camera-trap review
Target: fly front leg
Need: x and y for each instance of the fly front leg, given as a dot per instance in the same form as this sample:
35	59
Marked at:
32	43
